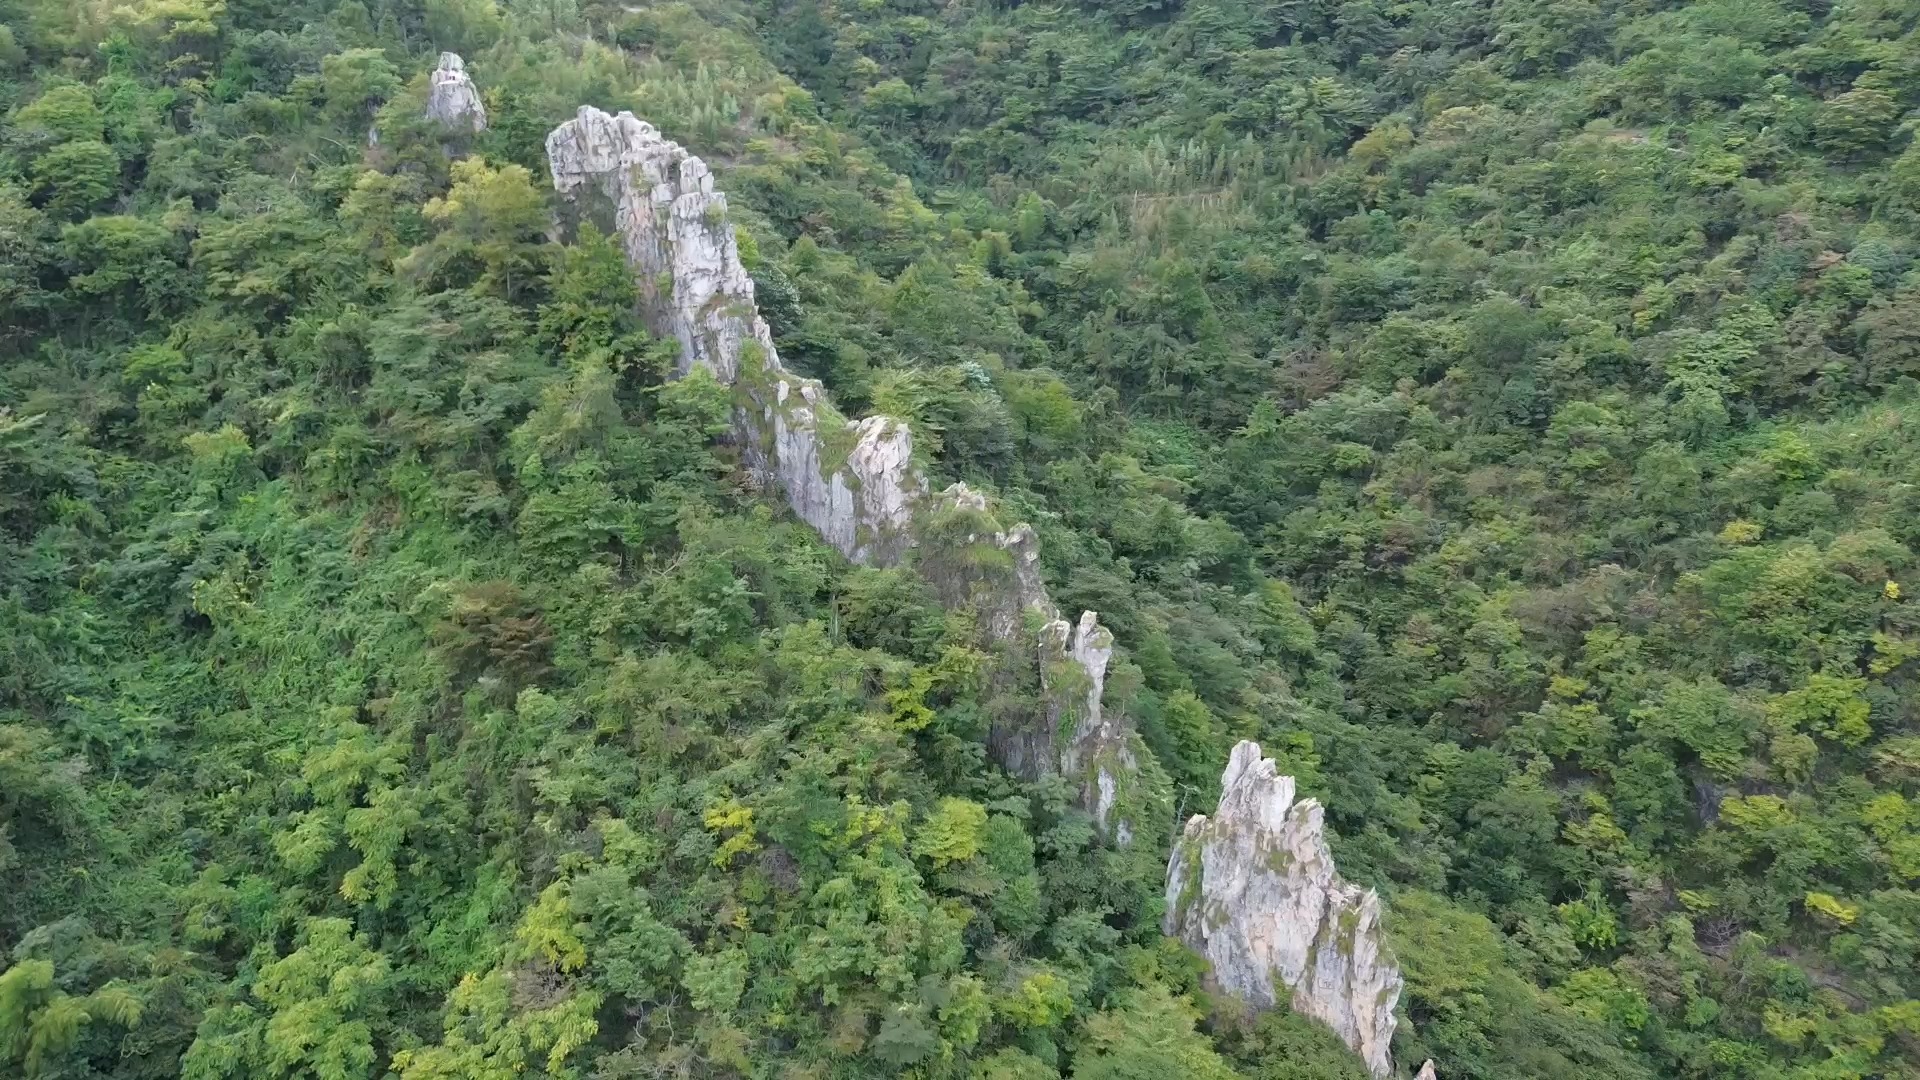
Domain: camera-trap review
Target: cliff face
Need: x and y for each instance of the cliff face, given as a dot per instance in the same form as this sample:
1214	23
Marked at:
854	482
452	99
1254	890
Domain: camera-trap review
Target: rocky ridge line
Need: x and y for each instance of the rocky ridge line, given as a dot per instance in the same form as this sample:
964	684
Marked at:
855	482
1253	889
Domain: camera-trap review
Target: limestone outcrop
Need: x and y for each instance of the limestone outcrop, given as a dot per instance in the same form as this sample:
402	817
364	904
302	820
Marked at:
1427	1072
855	482
1253	889
1099	747
452	99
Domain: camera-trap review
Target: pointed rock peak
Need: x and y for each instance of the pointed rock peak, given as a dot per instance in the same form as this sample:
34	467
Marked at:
1426	1072
1099	751
855	483
596	143
1253	889
452	99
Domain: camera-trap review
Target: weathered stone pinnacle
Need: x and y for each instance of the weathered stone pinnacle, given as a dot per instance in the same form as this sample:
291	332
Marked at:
1253	889
452	99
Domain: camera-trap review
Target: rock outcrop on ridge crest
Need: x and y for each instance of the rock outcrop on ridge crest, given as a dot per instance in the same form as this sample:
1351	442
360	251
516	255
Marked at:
452	99
855	482
1099	748
1254	890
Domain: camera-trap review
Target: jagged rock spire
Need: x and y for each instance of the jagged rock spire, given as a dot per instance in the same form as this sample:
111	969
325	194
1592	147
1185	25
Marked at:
1426	1072
452	99
855	482
1253	889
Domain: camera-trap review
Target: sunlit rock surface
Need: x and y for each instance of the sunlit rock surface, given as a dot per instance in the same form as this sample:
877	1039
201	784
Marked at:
1254	890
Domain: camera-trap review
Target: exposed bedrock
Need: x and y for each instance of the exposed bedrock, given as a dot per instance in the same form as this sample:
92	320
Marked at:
855	482
452	99
1253	889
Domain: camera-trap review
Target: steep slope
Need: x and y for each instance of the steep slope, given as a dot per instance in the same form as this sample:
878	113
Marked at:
856	483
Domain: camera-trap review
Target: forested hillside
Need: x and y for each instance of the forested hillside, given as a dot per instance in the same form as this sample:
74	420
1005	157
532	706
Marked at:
1499	410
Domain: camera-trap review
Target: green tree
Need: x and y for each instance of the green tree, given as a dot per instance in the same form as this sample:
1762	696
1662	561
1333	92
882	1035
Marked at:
317	1007
1148	1034
75	177
41	1025
65	112
491	229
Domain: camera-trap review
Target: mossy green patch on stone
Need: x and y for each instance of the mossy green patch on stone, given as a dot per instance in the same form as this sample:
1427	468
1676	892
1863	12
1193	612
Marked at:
1346	925
964	538
1218	916
1280	860
1068	684
754	374
590	203
1190	865
837	441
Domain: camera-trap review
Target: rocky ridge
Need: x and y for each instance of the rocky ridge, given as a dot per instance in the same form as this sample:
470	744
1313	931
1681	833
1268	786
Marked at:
855	482
452	99
1253	889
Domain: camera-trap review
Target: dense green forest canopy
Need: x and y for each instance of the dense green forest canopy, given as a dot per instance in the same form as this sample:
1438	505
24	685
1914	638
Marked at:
1504	410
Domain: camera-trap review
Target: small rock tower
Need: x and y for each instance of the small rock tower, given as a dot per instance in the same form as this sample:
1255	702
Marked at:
452	99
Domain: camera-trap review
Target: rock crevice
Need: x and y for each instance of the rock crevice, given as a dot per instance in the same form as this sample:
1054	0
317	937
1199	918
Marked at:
855	483
1254	890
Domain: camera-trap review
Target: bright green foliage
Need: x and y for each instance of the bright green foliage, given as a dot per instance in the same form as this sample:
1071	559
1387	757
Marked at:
65	112
490	217
951	833
355	82
41	1026
487	1039
1148	1034
1039	999
314	1016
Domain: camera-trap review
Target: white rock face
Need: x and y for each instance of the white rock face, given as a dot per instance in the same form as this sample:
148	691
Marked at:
1426	1072
1254	890
452	99
1100	749
853	482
